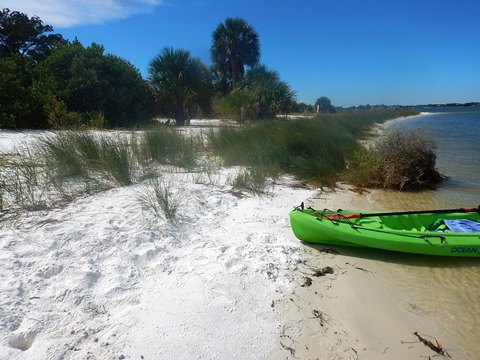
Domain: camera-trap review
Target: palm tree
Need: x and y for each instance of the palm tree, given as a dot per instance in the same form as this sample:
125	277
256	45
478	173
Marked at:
181	83
273	96
235	45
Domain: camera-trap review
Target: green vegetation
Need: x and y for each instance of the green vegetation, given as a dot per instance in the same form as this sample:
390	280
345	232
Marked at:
48	82
84	84
251	180
69	164
324	105
320	150
235	44
261	94
314	149
26	180
397	160
116	160
181	84
161	197
168	146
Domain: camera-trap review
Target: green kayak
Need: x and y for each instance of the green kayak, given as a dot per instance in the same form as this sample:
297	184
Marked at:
434	232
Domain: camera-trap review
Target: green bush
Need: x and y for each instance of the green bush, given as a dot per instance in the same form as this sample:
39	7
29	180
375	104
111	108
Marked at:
58	116
239	105
400	159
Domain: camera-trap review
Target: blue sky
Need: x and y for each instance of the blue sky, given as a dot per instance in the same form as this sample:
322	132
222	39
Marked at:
352	51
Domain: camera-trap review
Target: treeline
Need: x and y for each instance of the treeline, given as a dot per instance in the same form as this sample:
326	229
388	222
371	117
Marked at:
47	81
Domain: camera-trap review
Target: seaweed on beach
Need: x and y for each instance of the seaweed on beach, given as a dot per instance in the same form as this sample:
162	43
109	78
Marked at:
308	282
320	316
322	272
438	348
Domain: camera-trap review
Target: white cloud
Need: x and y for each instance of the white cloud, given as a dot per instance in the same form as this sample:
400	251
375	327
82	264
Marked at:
66	13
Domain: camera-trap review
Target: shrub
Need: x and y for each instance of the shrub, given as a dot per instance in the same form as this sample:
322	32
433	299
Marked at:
239	105
59	117
96	120
400	159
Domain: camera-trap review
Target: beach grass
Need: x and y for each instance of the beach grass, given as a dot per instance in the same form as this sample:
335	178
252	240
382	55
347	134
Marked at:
313	149
82	155
167	145
71	163
117	161
27	182
62	158
162	197
251	180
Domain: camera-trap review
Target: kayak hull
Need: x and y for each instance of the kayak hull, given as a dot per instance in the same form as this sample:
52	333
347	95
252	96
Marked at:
403	233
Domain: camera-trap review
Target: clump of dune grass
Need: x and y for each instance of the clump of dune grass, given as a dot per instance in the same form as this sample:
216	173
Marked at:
307	149
27	182
251	180
208	171
85	156
163	197
399	159
167	145
116	160
62	158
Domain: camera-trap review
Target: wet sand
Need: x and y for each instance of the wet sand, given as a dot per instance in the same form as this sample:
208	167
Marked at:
374	302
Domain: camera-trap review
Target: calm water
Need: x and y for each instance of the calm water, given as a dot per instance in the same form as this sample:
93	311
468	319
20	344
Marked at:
446	288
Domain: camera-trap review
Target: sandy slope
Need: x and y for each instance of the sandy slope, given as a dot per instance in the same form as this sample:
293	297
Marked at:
104	278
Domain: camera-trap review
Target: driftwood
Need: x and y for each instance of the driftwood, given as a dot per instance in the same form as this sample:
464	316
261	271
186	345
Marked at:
435	347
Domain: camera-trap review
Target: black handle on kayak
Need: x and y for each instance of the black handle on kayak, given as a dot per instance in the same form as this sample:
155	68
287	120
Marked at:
419	212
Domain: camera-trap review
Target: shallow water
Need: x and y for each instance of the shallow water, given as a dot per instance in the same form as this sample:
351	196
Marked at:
446	288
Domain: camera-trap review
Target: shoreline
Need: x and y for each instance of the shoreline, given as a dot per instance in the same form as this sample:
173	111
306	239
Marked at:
352	313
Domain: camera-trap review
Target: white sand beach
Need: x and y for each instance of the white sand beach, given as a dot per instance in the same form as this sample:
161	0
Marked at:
105	278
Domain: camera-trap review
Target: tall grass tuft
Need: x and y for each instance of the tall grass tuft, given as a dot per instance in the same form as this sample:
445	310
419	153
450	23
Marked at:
61	156
88	147
83	156
162	197
116	160
251	180
166	145
27	185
